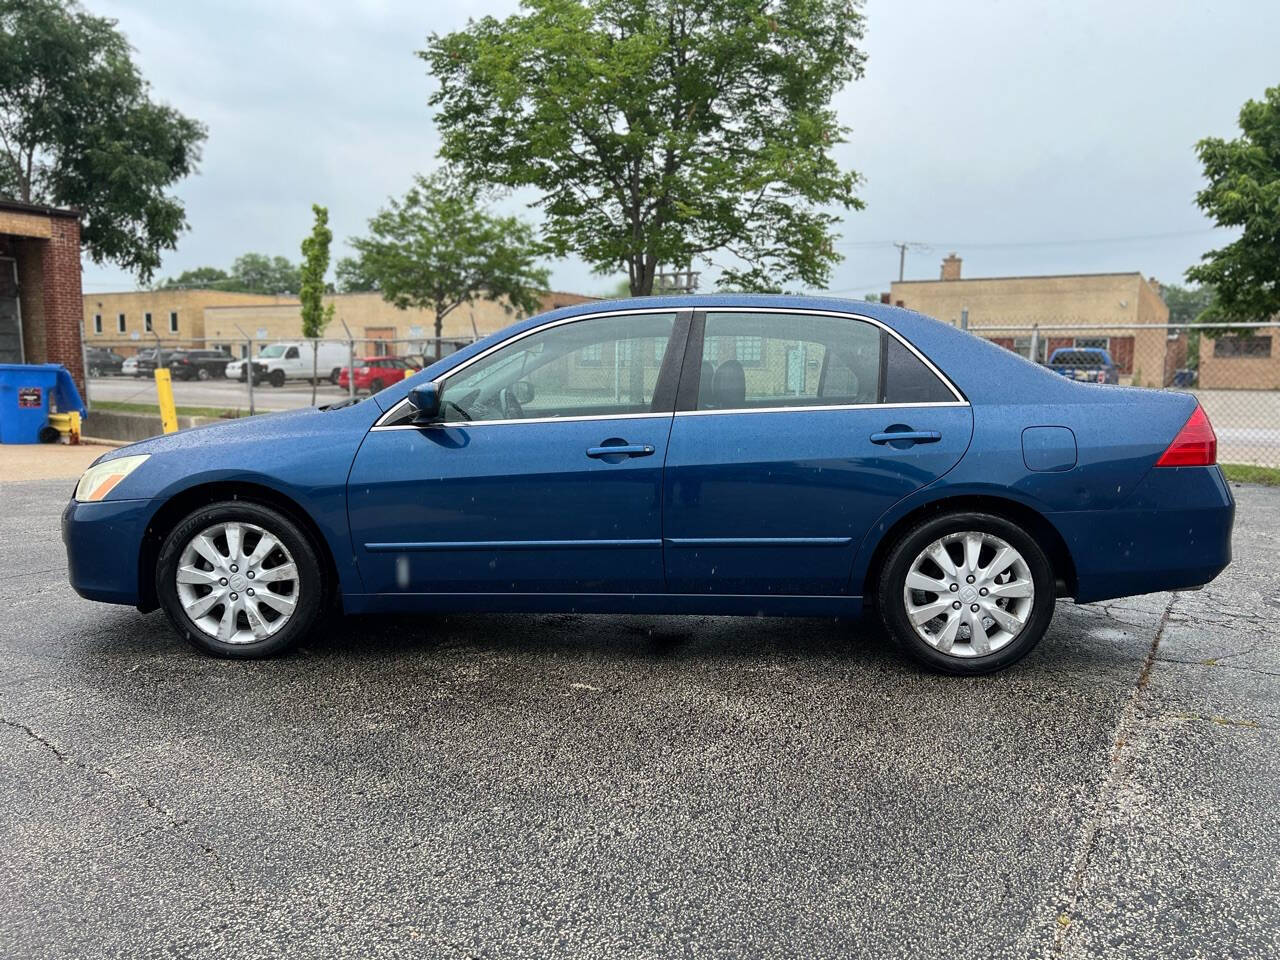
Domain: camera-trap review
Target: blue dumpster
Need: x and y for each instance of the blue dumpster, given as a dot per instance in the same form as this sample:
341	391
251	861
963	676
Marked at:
28	393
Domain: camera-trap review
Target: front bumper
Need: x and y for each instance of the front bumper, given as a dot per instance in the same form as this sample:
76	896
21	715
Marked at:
104	544
1173	533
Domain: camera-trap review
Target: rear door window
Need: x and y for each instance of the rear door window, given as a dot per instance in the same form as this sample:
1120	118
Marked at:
763	360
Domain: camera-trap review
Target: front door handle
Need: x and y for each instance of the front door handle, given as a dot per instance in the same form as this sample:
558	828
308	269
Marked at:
906	437
619	451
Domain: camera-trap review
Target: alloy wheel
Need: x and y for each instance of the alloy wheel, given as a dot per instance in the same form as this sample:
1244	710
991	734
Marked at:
237	582
969	594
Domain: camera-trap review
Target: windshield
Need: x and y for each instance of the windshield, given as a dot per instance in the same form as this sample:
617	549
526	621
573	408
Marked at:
274	350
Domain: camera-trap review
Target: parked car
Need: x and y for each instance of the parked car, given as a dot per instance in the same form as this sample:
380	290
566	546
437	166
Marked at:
102	362
374	373
198	364
146	361
278	362
710	455
1090	364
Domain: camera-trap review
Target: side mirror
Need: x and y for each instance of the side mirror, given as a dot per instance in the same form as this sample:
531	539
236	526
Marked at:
425	400
522	390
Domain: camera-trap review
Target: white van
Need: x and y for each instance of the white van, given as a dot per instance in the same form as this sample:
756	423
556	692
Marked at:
278	362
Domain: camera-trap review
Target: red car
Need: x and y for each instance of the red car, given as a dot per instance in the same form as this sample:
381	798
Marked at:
374	373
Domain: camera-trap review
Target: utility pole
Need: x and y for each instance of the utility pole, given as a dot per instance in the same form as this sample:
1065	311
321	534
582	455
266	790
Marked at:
902	256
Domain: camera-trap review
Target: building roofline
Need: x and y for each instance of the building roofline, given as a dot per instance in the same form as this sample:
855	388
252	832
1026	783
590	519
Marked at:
1033	276
38	208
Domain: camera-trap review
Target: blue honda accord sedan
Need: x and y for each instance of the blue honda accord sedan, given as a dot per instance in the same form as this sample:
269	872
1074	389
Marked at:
716	455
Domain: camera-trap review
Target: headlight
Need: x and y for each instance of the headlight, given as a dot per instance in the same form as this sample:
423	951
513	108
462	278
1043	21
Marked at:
100	480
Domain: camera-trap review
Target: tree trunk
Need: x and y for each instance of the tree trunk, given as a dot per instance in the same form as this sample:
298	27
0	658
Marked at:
643	272
439	333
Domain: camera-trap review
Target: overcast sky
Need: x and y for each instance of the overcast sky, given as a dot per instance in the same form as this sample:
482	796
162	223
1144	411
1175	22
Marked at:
1030	136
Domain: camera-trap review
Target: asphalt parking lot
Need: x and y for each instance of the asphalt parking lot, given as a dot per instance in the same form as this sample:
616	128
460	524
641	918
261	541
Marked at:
501	786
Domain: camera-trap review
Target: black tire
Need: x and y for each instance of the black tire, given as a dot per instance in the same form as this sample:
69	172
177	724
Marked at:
892	585
95	371
203	373
276	378
310	589
375	385
334	374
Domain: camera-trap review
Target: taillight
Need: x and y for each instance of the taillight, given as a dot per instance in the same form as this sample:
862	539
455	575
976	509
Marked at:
1196	445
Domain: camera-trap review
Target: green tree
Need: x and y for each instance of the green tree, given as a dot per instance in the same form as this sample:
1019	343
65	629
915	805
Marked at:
438	248
315	264
1186	305
1243	191
250	273
352	278
662	131
259	273
202	278
78	129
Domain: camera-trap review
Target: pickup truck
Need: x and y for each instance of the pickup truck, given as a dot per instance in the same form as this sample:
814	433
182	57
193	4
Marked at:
1090	364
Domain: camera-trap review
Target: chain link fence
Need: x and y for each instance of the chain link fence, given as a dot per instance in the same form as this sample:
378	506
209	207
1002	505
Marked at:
278	362
1233	369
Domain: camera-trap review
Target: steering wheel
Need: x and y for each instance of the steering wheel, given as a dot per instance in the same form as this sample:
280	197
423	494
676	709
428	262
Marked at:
509	405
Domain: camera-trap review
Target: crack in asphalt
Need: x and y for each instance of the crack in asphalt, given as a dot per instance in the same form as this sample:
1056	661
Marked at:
105	774
1101	815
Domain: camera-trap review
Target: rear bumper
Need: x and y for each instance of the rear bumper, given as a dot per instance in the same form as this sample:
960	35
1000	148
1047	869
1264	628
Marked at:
103	542
1174	532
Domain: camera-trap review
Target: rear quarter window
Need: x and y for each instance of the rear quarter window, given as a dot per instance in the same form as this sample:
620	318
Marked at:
908	380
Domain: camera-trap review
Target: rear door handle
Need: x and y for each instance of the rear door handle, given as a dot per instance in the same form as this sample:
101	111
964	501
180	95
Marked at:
911	436
621	450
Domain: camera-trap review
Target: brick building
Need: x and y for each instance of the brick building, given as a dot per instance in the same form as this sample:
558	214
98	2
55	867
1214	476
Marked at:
40	286
1070	310
131	321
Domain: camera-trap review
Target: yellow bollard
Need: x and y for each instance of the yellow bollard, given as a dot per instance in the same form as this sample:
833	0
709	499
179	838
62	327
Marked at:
409	373
164	391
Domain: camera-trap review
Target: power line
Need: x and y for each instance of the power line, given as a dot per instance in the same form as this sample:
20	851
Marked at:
984	245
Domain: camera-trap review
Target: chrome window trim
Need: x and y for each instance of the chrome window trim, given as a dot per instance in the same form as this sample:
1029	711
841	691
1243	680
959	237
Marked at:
499	423
816	408
960	401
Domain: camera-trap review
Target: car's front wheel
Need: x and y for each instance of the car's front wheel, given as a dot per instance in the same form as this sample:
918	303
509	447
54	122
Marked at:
966	593
239	580
276	378
202	373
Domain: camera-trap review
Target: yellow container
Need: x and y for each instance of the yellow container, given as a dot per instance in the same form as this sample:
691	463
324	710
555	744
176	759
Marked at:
67	425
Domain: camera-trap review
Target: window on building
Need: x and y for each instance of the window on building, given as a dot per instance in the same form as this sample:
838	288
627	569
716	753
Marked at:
1093	343
1242	347
1022	347
592	355
97	323
173	321
146	322
120	322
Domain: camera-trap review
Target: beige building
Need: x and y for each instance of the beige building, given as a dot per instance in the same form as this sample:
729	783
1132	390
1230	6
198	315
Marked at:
1081	310
126	322
370	319
1241	363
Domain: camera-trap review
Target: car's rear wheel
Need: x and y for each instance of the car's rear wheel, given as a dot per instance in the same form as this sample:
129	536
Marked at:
95	371
239	580
375	385
966	593
202	373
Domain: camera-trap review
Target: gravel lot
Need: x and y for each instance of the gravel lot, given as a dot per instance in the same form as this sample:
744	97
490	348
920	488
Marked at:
496	786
